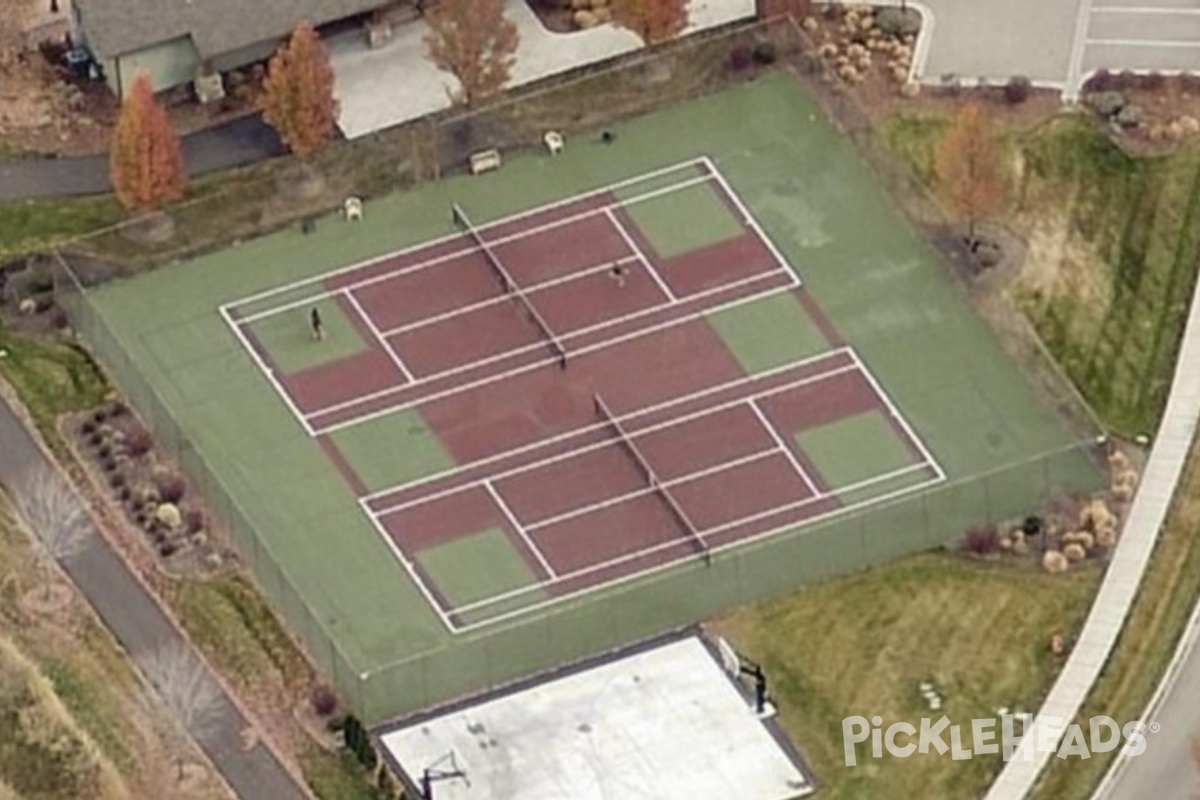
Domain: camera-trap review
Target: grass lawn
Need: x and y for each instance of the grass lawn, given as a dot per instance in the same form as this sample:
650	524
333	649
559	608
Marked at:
29	225
77	722
861	645
1112	254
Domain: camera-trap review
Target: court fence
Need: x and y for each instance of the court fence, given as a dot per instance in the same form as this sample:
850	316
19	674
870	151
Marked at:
609	619
585	626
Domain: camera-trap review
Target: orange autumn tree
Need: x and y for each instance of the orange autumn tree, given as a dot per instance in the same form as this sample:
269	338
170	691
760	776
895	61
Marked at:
297	98
145	163
970	178
474	42
653	20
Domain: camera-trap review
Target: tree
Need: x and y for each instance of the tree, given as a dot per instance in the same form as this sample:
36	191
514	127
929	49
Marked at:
188	693
145	162
967	167
474	42
297	98
653	21
55	518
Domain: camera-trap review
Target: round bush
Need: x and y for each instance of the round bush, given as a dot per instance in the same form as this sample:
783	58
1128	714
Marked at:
766	53
168	514
324	701
1016	91
740	58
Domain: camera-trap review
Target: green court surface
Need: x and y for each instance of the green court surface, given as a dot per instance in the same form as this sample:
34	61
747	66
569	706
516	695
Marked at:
337	581
769	333
392	449
476	567
288	337
684	220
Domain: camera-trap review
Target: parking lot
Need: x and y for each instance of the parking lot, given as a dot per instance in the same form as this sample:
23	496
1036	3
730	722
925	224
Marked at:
1159	35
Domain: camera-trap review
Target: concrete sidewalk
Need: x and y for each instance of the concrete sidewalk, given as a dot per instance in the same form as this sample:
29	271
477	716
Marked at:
142	628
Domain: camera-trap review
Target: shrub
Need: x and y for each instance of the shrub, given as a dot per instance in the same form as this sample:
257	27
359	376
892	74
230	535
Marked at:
96	439
116	480
104	451
1106	104
1100	81
124	495
194	520
108	464
138	442
117	409
99	415
1016	91
170	487
740	58
1152	81
983	540
766	53
167	548
87	428
60	320
324	701
1033	525
169	515
1054	562
1125	80
1074	552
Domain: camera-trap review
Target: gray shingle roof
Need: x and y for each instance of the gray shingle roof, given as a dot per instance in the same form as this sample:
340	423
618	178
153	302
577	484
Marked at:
117	27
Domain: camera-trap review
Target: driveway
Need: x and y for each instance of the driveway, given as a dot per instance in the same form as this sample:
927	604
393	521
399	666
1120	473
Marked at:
396	83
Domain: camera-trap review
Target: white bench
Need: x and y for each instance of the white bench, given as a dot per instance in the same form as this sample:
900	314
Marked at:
485	161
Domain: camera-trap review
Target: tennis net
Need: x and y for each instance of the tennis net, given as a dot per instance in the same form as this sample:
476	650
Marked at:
603	412
509	285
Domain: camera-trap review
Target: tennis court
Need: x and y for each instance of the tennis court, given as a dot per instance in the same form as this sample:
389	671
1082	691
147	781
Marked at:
655	446
780	371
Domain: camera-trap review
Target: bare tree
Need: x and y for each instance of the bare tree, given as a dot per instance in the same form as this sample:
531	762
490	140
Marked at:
189	694
55	518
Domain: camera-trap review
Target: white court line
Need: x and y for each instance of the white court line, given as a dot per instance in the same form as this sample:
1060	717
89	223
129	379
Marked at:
542	362
566	201
583	449
787	451
1177	44
1144	10
411	568
641	574
751	221
896	415
387	348
633	246
267	371
707	472
499	299
521	530
471	247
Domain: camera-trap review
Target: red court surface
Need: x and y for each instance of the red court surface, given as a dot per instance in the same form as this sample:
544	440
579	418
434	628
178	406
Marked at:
595	416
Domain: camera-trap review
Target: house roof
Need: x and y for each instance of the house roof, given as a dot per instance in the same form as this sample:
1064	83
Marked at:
118	27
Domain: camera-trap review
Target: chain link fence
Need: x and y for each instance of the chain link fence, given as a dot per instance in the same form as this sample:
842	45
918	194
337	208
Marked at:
573	630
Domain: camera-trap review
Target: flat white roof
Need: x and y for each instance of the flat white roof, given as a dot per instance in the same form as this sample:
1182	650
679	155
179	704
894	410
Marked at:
666	723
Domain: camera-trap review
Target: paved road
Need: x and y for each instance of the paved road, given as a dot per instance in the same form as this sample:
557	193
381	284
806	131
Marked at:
141	628
242	141
1168	768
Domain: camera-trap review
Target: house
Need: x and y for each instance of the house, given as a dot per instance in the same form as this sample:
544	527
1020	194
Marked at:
178	41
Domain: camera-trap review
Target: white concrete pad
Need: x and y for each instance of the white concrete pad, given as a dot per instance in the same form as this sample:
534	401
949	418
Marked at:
396	83
667	723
